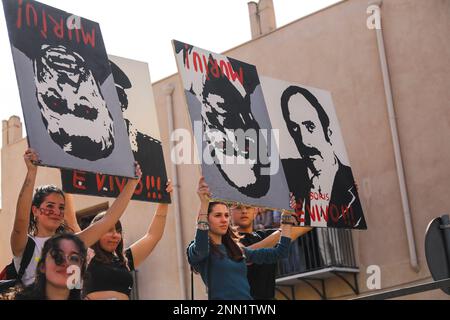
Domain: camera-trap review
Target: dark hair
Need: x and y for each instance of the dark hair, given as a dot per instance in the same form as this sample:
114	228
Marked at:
293	90
40	194
104	256
37	291
230	240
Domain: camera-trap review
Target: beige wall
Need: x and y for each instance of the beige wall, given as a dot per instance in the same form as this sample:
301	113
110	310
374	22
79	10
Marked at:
160	265
333	50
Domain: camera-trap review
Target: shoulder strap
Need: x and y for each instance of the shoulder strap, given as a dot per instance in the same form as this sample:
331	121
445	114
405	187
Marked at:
129	256
192	270
26	257
192	284
209	276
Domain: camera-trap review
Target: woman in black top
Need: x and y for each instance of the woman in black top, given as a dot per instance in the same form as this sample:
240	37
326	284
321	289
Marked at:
108	276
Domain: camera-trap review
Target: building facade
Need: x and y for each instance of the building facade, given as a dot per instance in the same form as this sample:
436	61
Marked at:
332	49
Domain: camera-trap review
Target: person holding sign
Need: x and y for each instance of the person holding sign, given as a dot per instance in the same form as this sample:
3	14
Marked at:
261	277
219	257
108	276
42	215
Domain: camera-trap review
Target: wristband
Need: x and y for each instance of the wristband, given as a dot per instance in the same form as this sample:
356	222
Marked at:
203	225
287	219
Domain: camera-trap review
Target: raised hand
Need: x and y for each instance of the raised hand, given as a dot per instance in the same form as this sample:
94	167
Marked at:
169	186
288	218
137	173
31	157
203	191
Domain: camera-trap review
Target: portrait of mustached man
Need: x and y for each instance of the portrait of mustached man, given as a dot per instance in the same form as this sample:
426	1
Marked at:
327	182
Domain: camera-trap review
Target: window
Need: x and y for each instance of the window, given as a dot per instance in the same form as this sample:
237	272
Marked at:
85	216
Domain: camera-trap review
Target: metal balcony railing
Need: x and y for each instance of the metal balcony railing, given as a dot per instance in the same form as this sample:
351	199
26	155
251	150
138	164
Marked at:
319	249
316	256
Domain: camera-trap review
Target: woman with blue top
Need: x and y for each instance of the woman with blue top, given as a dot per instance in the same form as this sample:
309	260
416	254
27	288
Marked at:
218	256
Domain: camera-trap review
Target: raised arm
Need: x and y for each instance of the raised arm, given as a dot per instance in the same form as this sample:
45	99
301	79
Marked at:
91	234
272	255
70	214
142	248
19	233
199	248
274	238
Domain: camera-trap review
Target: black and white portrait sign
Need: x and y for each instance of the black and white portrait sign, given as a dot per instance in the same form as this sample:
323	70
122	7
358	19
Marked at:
134	88
238	149
71	109
313	154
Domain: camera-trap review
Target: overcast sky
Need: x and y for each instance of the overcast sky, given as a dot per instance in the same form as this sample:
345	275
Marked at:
143	30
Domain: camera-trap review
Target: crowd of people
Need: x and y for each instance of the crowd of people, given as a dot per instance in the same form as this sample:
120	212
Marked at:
53	259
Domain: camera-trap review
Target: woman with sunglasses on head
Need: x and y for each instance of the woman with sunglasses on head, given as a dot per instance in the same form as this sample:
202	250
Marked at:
219	257
60	268
108	276
42	215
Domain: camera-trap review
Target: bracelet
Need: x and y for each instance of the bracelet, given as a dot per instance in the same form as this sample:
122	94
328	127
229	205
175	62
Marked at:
287	219
203	225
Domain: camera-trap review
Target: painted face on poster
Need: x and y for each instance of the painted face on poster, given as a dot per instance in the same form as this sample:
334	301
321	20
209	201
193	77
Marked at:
224	94
70	105
230	130
70	99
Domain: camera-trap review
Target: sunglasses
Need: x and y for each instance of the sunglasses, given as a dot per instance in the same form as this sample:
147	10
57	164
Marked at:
71	259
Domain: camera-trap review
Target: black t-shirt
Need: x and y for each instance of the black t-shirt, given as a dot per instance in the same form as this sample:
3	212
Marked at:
109	277
261	277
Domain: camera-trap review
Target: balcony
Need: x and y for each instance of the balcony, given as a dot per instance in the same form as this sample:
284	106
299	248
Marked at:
315	257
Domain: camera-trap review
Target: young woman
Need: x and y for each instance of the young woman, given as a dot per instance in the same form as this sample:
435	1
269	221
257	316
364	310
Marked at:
108	276
61	265
41	216
219	257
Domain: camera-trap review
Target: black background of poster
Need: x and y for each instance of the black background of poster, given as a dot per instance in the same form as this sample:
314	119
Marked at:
29	39
148	189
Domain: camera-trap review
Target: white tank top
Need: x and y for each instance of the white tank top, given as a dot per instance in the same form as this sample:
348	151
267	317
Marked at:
30	271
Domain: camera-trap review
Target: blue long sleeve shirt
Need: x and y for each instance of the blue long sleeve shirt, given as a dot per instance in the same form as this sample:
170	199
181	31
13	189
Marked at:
228	278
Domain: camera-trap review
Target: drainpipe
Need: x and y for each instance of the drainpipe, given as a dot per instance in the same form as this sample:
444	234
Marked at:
396	142
168	90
